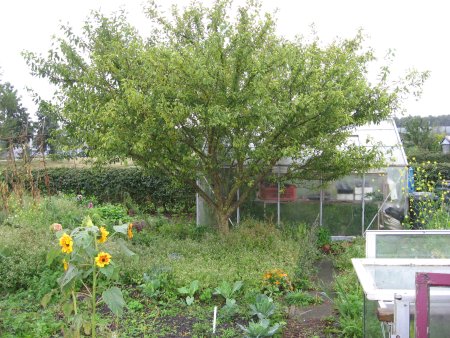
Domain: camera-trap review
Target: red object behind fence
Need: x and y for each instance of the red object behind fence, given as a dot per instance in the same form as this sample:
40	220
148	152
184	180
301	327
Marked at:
270	193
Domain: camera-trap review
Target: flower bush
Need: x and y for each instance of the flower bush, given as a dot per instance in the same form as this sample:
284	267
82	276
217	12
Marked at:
89	272
428	209
276	282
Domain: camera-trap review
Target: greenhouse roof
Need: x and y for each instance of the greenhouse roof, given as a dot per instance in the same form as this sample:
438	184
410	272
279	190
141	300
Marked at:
385	136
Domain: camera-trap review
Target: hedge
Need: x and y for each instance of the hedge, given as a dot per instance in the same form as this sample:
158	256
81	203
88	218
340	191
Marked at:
147	189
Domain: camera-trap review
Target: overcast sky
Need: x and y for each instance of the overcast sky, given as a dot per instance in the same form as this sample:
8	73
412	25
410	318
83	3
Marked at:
417	30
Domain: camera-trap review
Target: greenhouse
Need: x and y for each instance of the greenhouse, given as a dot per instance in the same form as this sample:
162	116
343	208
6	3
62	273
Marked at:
375	200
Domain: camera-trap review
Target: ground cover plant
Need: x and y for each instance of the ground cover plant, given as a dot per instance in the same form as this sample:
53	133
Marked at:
172	273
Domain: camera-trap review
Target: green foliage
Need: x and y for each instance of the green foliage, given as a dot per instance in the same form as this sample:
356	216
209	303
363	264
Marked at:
22	258
113	214
158	282
152	190
174	260
209	92
301	298
23	316
60	209
260	329
263	307
428	207
228	290
323	237
419	134
189	291
15	126
349	295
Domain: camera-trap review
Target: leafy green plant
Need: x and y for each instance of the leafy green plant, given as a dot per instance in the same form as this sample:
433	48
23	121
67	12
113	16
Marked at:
263	307
348	298
113	214
324	239
206	295
428	206
276	282
259	329
151	288
189	291
226	290
301	298
88	270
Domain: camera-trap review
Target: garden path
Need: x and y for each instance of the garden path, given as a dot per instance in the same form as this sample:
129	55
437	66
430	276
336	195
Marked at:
314	320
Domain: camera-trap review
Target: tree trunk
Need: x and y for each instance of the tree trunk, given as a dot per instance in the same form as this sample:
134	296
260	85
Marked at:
222	222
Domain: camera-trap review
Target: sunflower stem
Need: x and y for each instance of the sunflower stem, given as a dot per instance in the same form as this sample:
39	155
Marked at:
94	301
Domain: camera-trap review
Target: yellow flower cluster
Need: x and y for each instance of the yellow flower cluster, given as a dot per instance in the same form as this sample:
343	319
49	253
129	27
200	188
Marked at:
103	235
66	243
130	231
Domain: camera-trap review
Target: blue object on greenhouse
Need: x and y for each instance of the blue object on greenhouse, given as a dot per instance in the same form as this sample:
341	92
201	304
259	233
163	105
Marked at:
411	180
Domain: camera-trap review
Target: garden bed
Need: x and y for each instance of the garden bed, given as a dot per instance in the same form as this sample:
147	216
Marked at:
170	255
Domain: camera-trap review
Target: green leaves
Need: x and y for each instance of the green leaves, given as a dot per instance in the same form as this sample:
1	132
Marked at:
260	329
227	290
263	307
123	228
189	291
207	92
69	276
114	299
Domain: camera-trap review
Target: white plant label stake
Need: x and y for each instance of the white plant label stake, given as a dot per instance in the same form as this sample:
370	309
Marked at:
214	319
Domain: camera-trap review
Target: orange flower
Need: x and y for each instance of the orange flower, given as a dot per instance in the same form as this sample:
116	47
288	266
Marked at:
130	231
66	243
103	235
102	259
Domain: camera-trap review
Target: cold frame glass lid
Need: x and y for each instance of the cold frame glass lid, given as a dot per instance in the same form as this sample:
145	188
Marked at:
383	279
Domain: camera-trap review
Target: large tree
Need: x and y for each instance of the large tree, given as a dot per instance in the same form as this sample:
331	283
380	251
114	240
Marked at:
15	126
208	90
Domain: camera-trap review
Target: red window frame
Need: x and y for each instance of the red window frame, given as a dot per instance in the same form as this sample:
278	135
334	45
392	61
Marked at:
424	280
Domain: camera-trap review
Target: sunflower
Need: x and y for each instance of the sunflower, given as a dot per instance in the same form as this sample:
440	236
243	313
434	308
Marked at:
103	235
130	231
65	264
66	243
102	259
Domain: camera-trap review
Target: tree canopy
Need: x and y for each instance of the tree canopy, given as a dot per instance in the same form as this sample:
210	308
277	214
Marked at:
209	89
14	119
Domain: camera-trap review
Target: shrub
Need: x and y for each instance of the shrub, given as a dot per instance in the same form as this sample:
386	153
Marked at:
22	257
428	207
153	190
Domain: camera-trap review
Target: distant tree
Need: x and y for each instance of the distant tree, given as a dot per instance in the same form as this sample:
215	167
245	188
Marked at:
207	92
15	127
419	134
46	127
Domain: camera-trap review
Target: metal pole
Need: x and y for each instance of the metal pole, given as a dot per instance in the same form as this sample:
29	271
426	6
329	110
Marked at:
197	207
238	211
278	198
321	204
363	204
